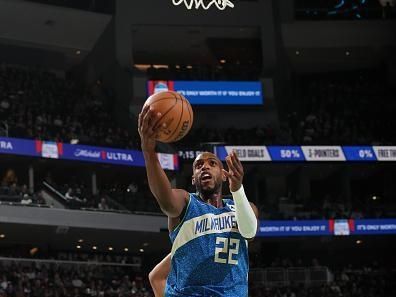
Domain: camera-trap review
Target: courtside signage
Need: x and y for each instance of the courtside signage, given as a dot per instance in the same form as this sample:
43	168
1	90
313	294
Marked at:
244	153
385	153
64	151
310	153
359	153
338	227
286	153
323	153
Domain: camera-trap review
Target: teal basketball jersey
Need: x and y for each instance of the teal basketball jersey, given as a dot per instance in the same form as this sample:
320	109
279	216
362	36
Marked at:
209	255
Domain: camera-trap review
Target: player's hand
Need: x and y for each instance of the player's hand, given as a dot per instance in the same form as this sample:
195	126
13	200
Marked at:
147	119
235	171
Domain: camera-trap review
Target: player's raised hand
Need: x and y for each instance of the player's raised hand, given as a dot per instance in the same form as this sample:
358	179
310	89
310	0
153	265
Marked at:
235	171
146	127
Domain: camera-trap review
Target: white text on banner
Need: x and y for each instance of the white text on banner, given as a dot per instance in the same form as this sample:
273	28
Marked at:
323	153
250	153
385	153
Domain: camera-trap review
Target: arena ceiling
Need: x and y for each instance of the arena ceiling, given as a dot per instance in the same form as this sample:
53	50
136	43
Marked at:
50	29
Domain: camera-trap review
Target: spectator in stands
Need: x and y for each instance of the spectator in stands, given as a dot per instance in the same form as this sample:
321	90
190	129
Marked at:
26	200
13	190
69	194
133	188
9	178
38	104
102	205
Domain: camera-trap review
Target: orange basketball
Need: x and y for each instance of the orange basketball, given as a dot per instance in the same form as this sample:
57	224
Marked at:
176	113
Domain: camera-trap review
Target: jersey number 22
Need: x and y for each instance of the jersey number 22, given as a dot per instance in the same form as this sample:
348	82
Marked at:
227	247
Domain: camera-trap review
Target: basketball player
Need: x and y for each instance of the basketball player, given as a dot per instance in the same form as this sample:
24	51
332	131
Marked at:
209	234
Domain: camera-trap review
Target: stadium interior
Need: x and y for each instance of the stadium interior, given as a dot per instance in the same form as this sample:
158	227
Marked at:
77	217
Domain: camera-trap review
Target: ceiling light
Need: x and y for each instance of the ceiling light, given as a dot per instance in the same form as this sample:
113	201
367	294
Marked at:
94	247
78	246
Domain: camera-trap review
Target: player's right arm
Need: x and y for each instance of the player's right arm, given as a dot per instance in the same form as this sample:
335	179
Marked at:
171	201
158	276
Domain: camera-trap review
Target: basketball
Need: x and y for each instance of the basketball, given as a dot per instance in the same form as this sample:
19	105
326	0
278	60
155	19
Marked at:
176	113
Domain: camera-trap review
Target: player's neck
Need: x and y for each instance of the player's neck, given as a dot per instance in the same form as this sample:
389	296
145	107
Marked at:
214	199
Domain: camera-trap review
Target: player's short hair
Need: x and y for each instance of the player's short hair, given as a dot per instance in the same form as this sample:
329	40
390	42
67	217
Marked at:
207	153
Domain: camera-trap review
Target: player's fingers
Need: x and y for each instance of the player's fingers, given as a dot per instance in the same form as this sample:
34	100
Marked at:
153	131
237	159
229	162
139	121
225	172
228	174
144	123
237	164
148	120
232	167
144	111
141	115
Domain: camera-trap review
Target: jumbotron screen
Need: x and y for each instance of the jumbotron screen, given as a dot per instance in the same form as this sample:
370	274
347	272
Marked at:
212	92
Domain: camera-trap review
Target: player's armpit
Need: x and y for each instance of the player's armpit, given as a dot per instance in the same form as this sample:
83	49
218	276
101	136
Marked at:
158	276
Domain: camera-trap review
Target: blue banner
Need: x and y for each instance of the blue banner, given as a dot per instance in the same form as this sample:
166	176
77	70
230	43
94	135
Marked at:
359	153
286	153
317	153
375	226
62	151
16	146
102	155
213	92
294	228
338	227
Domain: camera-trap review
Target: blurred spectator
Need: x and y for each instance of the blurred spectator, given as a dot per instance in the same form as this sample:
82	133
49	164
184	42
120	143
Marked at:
39	104
24	279
102	205
9	178
346	108
69	194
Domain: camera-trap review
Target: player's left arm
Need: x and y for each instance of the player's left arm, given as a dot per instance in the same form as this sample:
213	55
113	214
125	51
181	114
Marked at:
256	213
246	212
158	276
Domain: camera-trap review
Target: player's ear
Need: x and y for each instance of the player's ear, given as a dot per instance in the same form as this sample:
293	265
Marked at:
193	180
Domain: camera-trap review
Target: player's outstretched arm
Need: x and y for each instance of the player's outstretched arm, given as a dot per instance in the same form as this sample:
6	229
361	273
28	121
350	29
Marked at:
246	212
171	201
158	276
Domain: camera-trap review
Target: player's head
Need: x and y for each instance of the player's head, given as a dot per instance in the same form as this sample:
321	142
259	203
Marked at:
207	175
